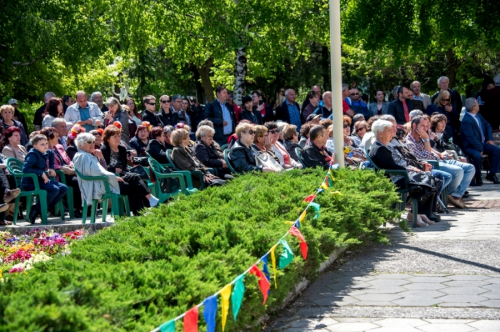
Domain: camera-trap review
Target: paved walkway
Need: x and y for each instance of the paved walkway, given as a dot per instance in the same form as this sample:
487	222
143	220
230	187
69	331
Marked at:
445	277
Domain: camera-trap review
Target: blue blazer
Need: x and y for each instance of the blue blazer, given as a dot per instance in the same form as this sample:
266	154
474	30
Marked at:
470	134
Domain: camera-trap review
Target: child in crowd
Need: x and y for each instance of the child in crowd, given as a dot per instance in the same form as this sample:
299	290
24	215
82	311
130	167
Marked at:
36	163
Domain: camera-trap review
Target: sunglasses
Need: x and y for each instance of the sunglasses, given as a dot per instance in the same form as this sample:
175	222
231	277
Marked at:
97	134
273	131
361	128
446	99
347	126
251	132
90	142
164	101
354	94
152	104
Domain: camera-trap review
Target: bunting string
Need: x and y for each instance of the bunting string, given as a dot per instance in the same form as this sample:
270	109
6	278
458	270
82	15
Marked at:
286	257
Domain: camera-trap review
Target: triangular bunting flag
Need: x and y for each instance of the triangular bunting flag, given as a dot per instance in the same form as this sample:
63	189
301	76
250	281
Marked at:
225	293
286	256
320	191
263	282
168	326
310	198
297	223
191	320
273	260
265	268
302	216
209	312
303	245
316	207
324	186
331	174
237	296
327	181
336	193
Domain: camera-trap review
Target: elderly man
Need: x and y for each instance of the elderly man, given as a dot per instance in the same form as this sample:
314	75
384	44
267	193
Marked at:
418	95
85	113
462	173
289	111
96	97
401	107
477	139
221	113
315	153
325	110
62	129
39	113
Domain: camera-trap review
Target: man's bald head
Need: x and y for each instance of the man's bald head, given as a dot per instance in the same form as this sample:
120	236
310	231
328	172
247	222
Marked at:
81	99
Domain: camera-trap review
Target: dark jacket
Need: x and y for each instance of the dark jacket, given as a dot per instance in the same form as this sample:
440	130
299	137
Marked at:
213	112
36	163
491	106
453	117
243	158
136	144
153	119
290	148
470	134
185	161
157	151
282	112
382	157
38	119
24	137
106	153
456	100
20	117
252	116
170	119
312	156
323	111
308	110
396	109
419	105
71	150
197	114
208	155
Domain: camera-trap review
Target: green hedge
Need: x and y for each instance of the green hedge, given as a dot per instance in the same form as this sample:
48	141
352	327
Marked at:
146	270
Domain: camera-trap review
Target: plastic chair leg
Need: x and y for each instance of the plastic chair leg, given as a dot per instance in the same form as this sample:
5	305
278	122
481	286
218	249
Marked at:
127	206
93	212
16	209
115	206
71	203
104	206
84	214
414	209
42	196
61	210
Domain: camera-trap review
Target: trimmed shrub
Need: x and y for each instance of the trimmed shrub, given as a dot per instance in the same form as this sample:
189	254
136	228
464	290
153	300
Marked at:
146	270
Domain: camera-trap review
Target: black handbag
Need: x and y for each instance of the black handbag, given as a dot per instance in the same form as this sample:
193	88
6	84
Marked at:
169	185
140	161
141	171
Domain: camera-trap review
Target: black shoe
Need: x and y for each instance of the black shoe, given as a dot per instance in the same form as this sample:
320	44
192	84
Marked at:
491	177
32	217
434	217
78	214
466	195
478	182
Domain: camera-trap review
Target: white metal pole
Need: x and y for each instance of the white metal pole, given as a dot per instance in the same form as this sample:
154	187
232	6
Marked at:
336	71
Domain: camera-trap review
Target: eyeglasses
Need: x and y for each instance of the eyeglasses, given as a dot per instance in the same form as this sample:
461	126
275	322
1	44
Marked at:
97	134
273	131
346	126
152	104
251	132
355	94
90	142
361	128
164	101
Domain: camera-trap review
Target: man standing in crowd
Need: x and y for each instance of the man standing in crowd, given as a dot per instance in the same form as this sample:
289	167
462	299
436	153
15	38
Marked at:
356	98
491	103
221	113
68	101
177	106
96	97
317	90
477	140
18	115
326	110
418	95
400	108
198	112
37	120
149	114
417	104
62	129
456	100
85	113
289	110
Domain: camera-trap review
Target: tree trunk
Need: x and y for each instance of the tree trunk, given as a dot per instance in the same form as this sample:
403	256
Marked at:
452	65
206	82
240	74
198	86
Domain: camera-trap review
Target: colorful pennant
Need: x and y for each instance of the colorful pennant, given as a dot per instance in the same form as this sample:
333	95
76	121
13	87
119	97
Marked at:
273	259
225	293
191	320
286	256
324	186
327	181
263	282
265	268
320	190
237	296
310	198
168	326
303	245
302	216
315	207
209	312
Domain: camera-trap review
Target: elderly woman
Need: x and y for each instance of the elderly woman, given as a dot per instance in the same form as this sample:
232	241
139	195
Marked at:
360	131
291	140
443	105
242	155
168	133
54	109
369	137
87	164
116	158
63	163
117	113
183	158
278	149
207	154
7	113
141	139
156	147
12	142
382	156
97	133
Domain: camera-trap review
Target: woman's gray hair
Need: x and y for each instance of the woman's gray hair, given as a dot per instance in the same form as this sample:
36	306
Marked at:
281	125
388	117
203	131
168	129
112	101
380	125
82	138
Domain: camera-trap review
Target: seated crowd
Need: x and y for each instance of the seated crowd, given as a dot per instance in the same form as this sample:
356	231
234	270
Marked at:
213	141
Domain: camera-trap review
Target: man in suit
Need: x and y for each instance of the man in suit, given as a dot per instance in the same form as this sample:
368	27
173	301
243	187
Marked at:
400	108
477	139
221	113
289	111
418	95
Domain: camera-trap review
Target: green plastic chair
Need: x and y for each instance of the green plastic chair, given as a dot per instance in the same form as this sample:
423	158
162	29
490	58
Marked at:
224	147
228	162
298	153
189	179
116	207
15	168
69	194
158	172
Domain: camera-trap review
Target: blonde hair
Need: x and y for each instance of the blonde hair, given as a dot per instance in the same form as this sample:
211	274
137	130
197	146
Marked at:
260	131
441	96
243	127
6	107
178	136
330	131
